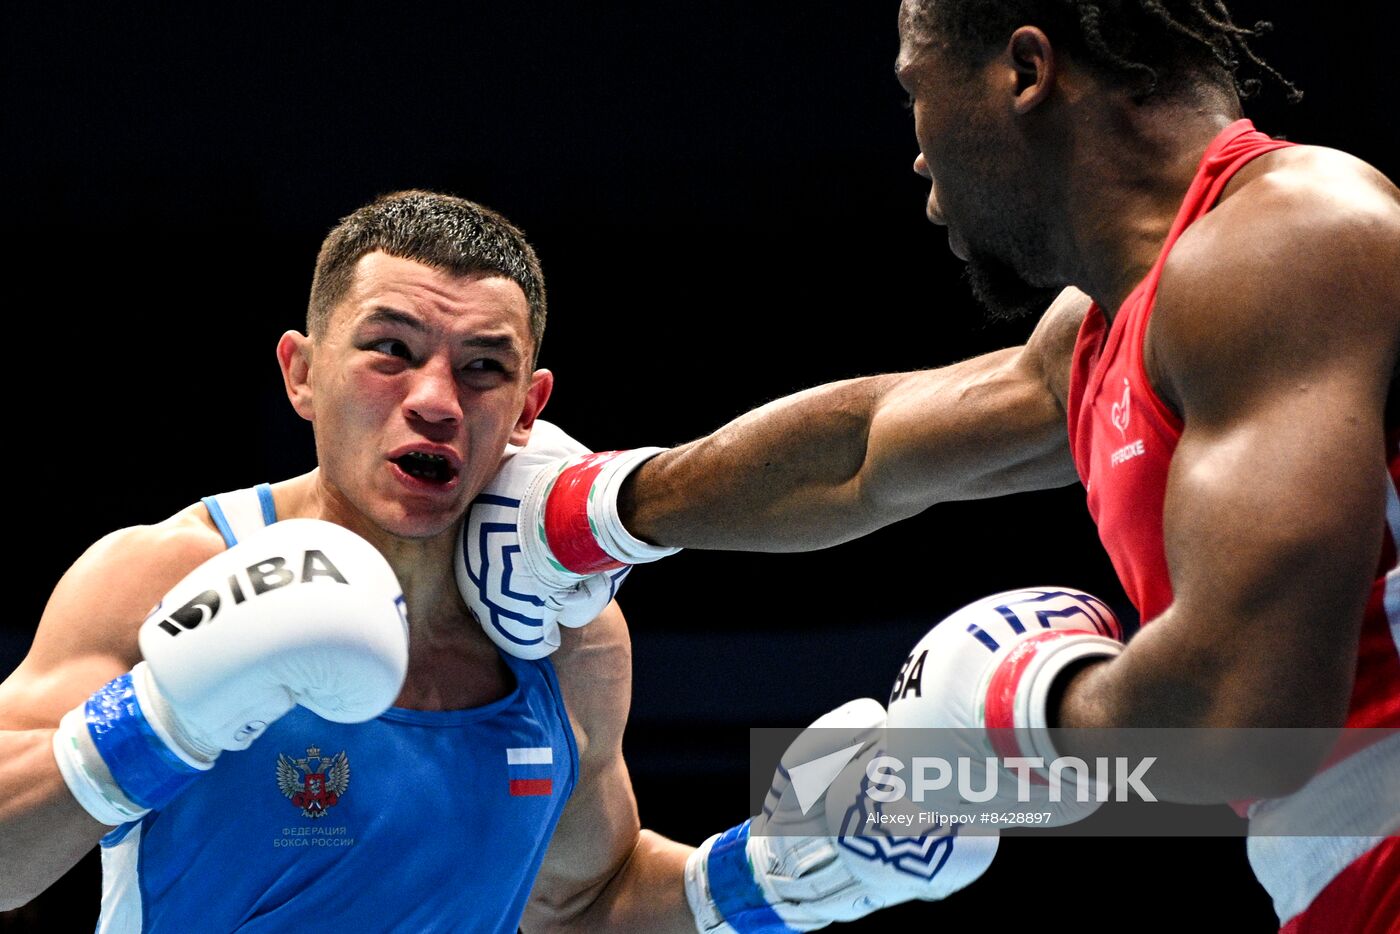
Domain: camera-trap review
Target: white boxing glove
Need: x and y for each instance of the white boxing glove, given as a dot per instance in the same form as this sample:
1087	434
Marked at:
303	612
812	857
977	688
542	546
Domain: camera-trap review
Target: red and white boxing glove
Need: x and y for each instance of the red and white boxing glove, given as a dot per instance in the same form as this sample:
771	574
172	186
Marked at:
303	612
543	546
977	687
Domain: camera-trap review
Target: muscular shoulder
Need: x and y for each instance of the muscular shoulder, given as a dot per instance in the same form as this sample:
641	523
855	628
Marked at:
1299	265
104	596
88	632
1051	346
594	667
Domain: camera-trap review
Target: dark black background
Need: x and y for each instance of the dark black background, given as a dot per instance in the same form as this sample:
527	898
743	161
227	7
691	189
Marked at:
721	196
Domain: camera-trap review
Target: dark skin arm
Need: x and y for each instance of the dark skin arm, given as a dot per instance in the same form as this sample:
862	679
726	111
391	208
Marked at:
1274	336
839	461
1279	349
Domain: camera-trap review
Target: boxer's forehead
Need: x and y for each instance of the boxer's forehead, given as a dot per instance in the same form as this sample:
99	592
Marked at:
392	286
914	31
922	60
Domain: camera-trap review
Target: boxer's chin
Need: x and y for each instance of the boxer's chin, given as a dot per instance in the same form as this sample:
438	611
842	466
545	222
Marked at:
1002	292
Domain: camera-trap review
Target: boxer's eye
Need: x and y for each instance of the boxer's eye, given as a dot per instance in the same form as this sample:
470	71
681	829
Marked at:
392	347
485	373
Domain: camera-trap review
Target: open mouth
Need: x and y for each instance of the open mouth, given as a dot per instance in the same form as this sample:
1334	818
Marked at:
430	468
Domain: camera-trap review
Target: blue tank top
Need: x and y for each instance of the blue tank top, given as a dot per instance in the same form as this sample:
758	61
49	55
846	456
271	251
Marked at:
416	821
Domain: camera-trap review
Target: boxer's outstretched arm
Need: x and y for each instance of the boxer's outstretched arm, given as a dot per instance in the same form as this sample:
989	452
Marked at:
86	637
1280	356
838	461
602	872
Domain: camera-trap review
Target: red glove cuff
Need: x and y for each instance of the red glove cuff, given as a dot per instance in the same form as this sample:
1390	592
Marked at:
567	528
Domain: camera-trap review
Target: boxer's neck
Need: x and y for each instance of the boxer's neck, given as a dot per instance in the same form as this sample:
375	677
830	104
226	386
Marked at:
452	664
1128	176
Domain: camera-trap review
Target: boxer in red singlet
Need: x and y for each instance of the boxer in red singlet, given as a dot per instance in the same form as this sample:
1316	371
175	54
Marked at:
1225	353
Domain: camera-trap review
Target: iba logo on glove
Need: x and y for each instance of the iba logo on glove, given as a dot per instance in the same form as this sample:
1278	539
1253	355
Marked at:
259	578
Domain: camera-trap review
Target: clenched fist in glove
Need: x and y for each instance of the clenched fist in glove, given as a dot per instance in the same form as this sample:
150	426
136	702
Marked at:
811	858
542	545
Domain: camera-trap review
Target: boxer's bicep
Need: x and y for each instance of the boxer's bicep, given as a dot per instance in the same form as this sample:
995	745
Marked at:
1277	350
985	427
1280	351
989	426
602	872
1273	524
838	461
599	825
592	842
86	637
590	875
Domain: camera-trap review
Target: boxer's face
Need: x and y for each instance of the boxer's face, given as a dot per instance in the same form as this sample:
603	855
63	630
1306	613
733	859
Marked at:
415	387
979	185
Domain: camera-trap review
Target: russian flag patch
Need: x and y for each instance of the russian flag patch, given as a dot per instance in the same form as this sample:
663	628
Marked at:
529	769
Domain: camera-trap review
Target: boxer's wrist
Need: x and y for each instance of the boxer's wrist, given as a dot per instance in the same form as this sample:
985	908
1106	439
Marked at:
118	761
87	776
579	524
612	534
723	893
1020	687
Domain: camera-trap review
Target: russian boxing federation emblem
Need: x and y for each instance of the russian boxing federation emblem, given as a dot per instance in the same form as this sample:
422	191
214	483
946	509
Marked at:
316	783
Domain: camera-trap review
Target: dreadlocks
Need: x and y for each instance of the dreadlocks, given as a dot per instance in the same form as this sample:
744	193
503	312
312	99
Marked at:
1144	43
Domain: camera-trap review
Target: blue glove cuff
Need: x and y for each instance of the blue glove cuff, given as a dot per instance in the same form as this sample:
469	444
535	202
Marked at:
141	764
736	893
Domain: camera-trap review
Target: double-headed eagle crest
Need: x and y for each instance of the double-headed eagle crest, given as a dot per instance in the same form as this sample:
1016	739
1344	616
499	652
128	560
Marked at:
315	783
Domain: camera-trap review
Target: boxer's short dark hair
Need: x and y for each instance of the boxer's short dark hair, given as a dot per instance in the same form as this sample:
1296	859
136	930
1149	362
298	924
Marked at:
448	233
1155	47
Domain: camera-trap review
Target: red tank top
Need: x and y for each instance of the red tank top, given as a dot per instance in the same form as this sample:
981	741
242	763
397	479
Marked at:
1123	437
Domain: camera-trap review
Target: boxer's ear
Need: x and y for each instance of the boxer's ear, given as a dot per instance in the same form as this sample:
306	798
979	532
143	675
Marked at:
1033	69
294	358
541	385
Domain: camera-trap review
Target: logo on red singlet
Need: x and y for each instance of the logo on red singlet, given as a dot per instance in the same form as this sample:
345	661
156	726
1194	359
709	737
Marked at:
1119	415
316	783
1121	410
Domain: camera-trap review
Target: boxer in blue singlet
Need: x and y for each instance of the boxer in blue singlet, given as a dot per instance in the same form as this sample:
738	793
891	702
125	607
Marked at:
310	730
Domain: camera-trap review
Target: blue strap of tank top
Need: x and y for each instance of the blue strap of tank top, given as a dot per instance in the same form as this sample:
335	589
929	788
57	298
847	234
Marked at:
269	508
735	891
141	764
220	520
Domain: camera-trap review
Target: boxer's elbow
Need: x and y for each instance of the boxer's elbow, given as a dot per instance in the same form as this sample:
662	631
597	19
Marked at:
1268	746
18	887
25	874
